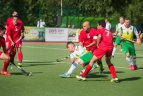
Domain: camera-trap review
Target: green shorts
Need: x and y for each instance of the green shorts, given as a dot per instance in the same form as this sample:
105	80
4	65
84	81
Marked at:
128	47
118	41
86	57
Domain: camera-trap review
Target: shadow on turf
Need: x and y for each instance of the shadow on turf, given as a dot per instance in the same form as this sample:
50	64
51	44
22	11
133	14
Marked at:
139	57
19	73
107	72
130	79
38	63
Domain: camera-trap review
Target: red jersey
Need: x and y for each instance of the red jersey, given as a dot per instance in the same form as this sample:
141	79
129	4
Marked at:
2	42
88	38
14	31
106	38
9	21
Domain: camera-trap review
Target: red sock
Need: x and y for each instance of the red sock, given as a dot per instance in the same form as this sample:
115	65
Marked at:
112	70
5	66
88	68
20	56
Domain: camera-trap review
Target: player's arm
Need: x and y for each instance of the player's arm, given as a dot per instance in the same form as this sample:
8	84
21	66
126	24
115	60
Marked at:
98	39
81	39
8	33
91	44
137	36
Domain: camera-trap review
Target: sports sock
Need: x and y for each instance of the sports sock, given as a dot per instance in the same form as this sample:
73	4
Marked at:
20	56
72	68
114	50
133	60
112	70
5	66
130	60
88	68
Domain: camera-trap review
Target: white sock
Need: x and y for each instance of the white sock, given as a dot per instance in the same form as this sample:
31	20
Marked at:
114	50
130	60
133	60
72	68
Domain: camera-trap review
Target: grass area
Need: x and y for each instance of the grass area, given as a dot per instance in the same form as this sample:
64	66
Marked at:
40	59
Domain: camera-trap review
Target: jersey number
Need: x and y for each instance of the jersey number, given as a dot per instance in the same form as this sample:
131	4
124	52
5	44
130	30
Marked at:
108	32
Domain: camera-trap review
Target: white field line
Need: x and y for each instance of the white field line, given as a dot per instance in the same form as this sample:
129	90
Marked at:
44	48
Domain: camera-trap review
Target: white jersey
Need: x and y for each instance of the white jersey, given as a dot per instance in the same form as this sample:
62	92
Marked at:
108	26
79	51
118	26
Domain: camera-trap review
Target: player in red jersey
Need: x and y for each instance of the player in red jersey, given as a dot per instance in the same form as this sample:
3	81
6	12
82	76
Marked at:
87	38
3	56
14	38
8	22
105	47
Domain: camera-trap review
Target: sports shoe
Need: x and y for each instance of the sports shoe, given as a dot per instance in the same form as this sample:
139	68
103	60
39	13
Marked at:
133	67
116	80
65	75
80	78
6	73
19	64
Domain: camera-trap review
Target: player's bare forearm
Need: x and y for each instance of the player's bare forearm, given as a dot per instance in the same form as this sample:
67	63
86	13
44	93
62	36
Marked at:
91	44
9	37
98	39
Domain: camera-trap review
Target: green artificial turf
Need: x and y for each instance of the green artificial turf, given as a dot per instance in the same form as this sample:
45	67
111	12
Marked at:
40	60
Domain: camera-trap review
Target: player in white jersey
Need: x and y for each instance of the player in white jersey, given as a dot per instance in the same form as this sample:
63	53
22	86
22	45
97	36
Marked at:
79	55
118	40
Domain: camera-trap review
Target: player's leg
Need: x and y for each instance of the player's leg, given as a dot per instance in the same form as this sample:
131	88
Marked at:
98	53
5	57
133	56
116	43
99	62
20	54
86	59
71	69
126	50
112	69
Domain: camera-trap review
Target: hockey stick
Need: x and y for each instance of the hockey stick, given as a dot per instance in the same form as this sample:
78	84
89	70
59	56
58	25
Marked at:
19	68
124	39
22	70
62	59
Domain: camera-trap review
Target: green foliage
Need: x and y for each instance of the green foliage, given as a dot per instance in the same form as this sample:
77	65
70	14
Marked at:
32	10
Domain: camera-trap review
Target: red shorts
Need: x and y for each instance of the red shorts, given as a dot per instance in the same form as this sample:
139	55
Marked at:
18	44
101	51
1	53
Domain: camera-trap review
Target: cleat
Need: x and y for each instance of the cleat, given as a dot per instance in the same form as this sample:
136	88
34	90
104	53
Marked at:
6	73
133	67
65	75
116	80
80	78
19	64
